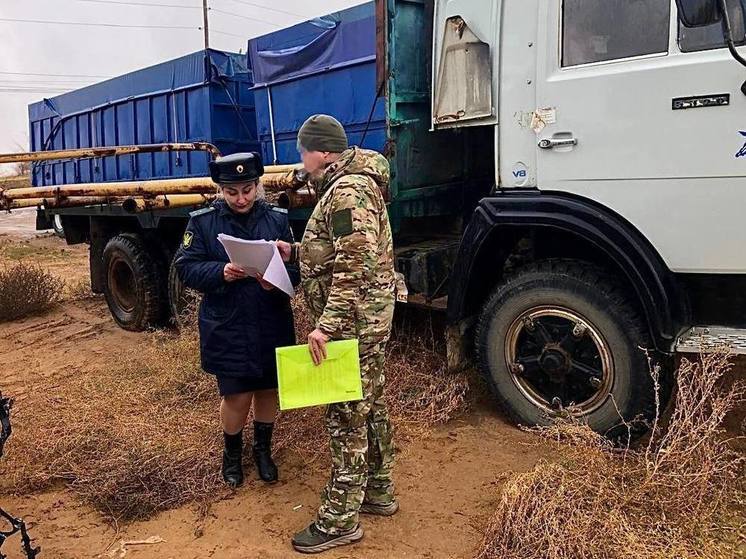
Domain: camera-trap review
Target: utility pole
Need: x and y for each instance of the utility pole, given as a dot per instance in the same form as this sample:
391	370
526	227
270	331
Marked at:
205	24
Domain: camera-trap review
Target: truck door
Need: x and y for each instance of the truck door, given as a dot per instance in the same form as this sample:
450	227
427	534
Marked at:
646	119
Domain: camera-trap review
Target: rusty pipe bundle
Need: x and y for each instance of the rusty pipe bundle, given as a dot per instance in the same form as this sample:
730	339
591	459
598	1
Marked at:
199	185
106	151
156	194
289	199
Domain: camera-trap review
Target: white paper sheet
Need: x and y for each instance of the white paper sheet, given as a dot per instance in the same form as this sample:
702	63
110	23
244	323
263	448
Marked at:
258	257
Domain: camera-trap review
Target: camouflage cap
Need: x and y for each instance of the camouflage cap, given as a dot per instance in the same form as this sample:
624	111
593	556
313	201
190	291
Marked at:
322	133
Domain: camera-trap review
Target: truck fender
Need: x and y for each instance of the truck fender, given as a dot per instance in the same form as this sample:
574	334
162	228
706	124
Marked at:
506	213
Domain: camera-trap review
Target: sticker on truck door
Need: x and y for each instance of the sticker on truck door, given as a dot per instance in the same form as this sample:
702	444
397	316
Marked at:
542	117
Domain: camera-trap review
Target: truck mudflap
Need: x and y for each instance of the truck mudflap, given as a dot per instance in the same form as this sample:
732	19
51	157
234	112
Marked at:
664	307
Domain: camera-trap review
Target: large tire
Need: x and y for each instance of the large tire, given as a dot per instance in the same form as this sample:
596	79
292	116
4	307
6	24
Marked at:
562	337
57	226
181	299
134	283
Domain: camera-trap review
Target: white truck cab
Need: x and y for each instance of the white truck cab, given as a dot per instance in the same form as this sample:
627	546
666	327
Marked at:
616	224
617	102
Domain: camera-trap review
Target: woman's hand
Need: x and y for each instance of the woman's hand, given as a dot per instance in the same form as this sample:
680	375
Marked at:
231	272
265	284
317	346
286	250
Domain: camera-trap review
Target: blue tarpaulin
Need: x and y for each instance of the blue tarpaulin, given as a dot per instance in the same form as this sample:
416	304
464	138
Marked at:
318	45
326	65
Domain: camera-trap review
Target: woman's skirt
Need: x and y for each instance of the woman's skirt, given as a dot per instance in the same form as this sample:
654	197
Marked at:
229	386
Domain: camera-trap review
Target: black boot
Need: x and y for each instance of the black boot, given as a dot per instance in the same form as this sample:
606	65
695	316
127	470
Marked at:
263	451
232	468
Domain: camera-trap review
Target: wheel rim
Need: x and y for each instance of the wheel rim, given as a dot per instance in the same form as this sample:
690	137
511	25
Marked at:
559	360
122	285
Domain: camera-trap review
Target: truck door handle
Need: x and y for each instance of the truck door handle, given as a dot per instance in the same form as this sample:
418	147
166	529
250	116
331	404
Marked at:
562	142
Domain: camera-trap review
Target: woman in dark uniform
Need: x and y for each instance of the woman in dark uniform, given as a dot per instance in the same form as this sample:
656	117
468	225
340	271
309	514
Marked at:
242	319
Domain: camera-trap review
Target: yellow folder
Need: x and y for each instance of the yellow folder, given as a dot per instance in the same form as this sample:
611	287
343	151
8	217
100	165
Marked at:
302	384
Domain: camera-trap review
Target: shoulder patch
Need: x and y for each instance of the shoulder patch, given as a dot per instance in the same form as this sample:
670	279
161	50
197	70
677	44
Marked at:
187	242
201	211
278	209
342	223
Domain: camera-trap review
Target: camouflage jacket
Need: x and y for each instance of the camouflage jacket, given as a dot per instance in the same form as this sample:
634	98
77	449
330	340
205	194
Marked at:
347	255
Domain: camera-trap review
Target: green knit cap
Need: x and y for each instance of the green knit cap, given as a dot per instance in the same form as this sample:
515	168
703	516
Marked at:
322	133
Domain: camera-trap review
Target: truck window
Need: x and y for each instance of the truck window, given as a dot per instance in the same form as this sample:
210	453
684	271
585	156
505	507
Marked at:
711	37
613	29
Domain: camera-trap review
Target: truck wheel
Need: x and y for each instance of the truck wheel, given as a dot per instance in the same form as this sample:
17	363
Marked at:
133	283
560	337
181	299
57	226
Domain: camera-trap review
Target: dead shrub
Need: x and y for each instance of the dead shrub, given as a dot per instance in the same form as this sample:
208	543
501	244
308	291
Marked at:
26	289
79	290
145	436
670	498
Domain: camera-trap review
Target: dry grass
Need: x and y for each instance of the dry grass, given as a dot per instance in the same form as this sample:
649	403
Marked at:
675	497
79	290
144	436
26	289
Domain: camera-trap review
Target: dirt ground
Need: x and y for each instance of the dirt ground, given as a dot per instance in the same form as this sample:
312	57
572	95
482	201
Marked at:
447	483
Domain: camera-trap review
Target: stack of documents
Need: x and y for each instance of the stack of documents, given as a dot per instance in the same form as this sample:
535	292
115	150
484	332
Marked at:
303	384
258	257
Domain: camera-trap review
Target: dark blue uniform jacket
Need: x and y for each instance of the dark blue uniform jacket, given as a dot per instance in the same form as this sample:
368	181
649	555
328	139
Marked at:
240	323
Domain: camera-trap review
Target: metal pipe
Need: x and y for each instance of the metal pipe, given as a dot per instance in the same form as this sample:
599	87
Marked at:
198	185
280	181
292	199
137	205
106	151
63	203
274	169
8	183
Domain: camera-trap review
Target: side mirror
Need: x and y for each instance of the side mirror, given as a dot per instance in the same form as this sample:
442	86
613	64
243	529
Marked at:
699	13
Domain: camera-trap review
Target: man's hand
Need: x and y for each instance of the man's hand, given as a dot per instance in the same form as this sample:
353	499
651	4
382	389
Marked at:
286	250
264	283
231	272
317	346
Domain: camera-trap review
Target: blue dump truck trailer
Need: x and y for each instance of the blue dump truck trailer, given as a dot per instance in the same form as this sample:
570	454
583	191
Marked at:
204	96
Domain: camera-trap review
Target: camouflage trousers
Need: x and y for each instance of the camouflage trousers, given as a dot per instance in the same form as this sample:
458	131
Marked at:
362	449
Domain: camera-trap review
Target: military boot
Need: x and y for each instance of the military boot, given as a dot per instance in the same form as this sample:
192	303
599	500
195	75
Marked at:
262	450
313	540
232	468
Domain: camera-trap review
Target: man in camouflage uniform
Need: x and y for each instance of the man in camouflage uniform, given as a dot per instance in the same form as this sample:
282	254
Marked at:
347	269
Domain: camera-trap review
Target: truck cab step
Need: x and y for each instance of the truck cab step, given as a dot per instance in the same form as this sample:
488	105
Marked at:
708	339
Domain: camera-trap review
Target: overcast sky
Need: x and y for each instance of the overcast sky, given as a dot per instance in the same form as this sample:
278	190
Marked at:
72	52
